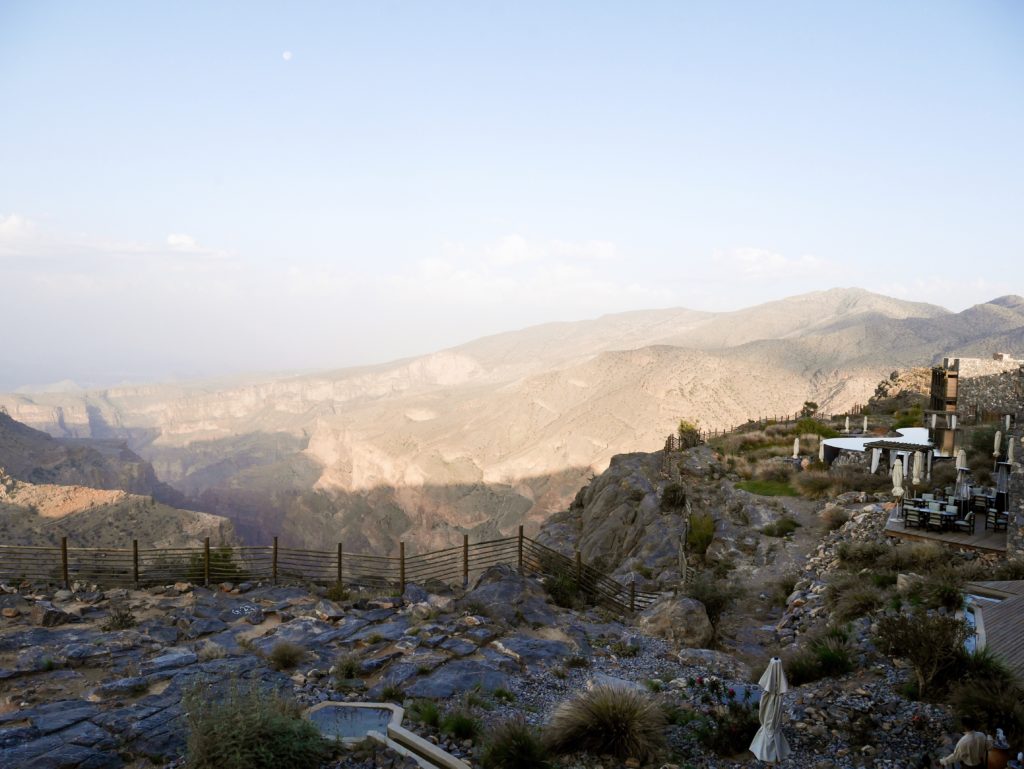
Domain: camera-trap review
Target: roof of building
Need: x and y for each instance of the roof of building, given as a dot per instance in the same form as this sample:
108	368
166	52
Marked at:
1002	624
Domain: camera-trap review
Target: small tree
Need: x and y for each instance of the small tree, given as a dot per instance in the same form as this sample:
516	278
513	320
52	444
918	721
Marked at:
689	434
810	408
932	643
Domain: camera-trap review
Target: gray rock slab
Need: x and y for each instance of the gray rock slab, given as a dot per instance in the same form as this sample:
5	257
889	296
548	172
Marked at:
459	676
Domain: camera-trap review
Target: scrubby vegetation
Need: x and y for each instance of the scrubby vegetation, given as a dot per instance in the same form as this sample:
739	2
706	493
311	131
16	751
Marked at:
608	721
827	655
514	744
249	729
286	655
716	595
121	618
702	532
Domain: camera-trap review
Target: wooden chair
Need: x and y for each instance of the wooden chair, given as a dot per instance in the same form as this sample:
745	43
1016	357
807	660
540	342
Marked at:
966	525
1000	521
912	518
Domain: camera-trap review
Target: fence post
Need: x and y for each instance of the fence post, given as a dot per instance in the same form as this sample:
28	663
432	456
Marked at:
64	562
340	557
465	561
401	564
579	568
206	561
519	556
135	562
273	563
632	596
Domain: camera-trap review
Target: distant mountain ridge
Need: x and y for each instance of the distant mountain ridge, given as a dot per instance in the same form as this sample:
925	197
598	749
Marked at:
504	429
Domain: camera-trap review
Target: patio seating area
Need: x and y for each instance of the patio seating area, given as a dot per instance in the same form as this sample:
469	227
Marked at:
973	524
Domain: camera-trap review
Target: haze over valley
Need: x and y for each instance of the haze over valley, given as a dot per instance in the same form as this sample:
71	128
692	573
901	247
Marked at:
505	429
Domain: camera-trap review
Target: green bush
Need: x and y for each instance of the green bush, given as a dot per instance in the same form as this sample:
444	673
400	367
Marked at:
781	527
673	497
460	725
932	643
346	668
860	555
856	601
834	517
286	655
996	703
222	567
824	656
731	729
337	592
1009	570
608	721
514	744
814	427
120	618
425	712
717	596
249	729
702	532
564	590
814	485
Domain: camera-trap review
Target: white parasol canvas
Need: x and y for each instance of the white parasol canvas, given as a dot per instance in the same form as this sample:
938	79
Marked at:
770	743
897	478
997	444
961	460
821	451
847	424
1006	423
1010	445
918	468
876	457
796	448
963	483
865	430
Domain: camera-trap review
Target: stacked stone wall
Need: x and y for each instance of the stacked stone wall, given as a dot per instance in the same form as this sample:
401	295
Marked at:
1015	530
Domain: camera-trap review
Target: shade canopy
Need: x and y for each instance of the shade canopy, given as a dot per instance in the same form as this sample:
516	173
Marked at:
769	743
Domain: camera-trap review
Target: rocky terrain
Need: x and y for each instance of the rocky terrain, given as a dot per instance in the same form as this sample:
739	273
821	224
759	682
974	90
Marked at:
41	514
504	430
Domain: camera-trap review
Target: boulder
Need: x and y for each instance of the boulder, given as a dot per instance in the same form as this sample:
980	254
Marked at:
459	676
414	594
46	614
681	620
508	596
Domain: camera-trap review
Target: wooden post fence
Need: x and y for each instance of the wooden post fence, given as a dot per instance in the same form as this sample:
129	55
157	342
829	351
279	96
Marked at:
519	557
64	562
465	560
340	561
206	561
135	562
273	563
401	565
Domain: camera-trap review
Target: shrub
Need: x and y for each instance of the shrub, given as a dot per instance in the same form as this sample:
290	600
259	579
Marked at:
997	703
856	601
391	693
346	668
563	590
834	517
606	720
503	695
930	642
814	485
781	472
780	528
731	729
825	656
460	725
858	555
286	655
814	427
249	729
702	531
337	592
425	712
673	497
1009	570
716	596
120	618
577	662
514	744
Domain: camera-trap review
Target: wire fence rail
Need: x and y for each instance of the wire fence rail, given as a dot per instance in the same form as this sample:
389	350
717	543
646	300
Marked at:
138	567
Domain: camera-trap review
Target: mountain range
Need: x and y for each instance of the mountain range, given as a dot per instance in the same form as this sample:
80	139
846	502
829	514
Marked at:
503	430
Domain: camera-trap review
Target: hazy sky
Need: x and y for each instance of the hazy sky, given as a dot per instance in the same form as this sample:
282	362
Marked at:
190	189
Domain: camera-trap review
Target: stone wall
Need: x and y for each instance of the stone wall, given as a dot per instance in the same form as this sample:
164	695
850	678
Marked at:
1015	530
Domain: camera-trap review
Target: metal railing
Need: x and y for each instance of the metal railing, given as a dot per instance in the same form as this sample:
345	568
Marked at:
135	567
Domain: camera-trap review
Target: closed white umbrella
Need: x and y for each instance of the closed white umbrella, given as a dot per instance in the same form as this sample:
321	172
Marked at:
796	448
1006	423
876	456
918	467
770	743
961	460
821	451
897	478
847	424
935	419
997	444
865	425
952	422
1009	451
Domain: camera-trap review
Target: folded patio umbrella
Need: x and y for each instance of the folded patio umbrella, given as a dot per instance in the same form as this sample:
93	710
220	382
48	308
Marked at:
821	450
897	478
961	460
847	424
796	448
997	448
865	425
1009	451
918	467
769	743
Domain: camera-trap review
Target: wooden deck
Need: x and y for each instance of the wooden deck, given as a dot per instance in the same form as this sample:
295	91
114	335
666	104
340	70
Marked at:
982	540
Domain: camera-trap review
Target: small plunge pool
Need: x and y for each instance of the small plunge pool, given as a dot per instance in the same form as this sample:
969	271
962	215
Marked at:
351	722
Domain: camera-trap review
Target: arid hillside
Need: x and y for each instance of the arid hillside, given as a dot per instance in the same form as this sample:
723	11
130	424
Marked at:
505	429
